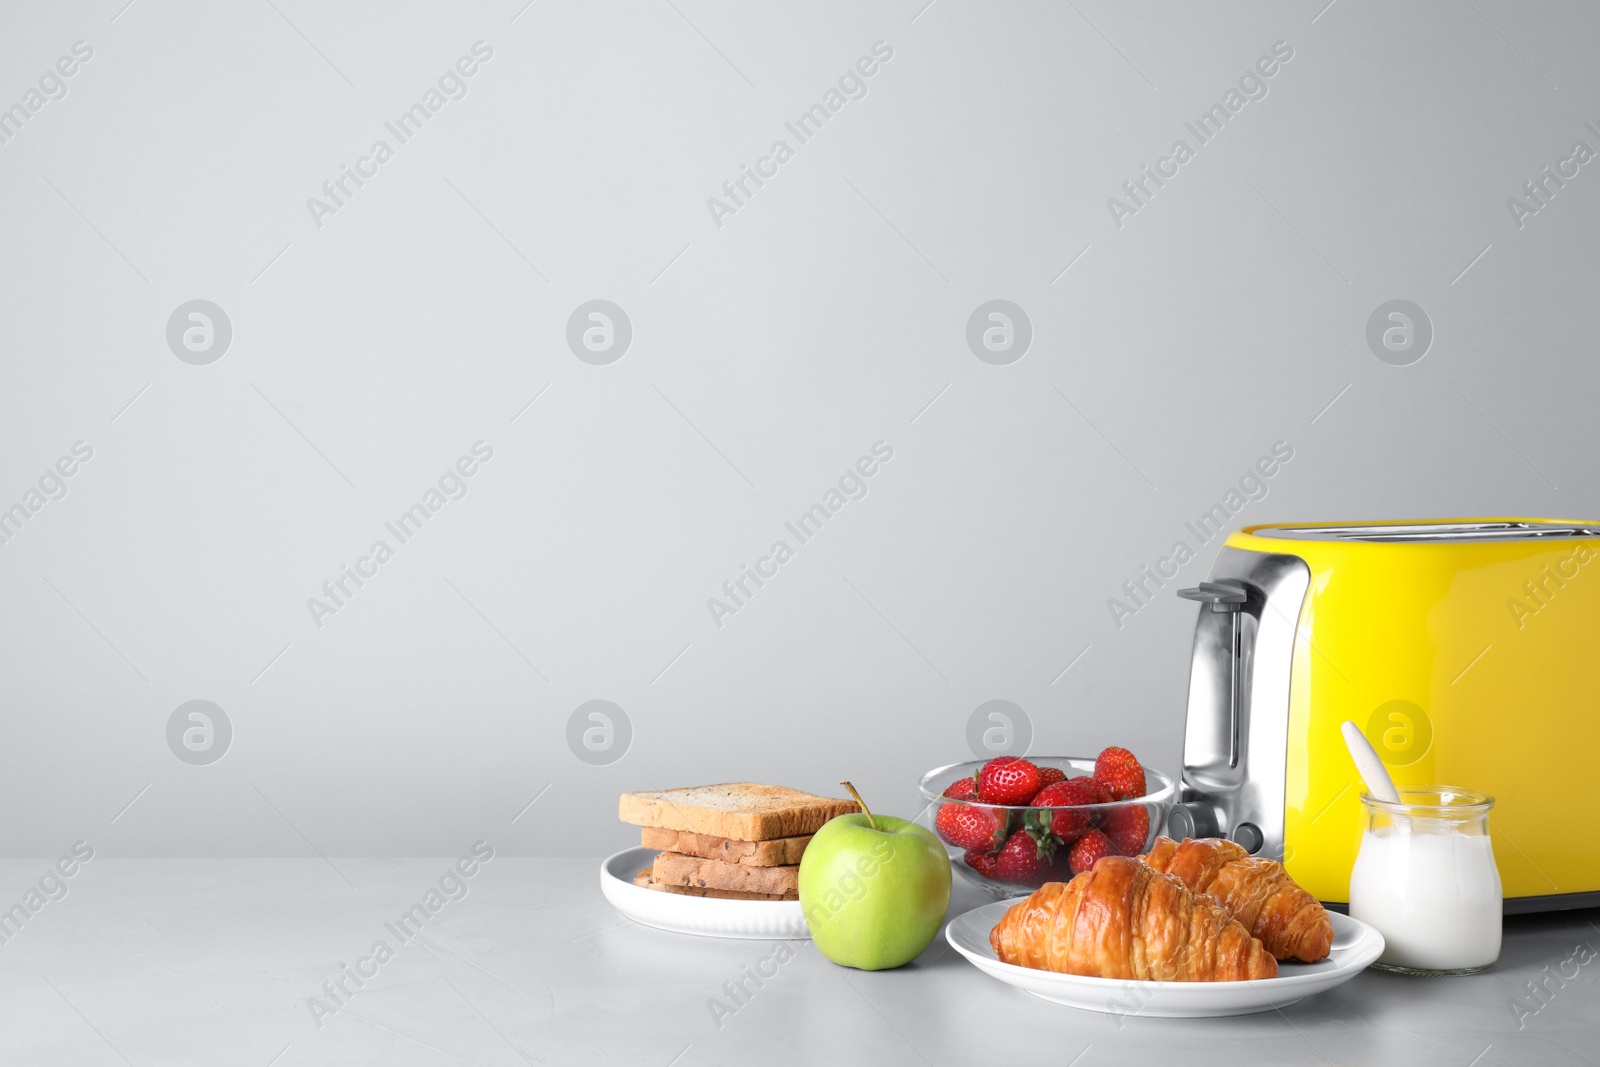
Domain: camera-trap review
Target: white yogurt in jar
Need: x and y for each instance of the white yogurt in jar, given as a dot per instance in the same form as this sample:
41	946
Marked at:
1435	897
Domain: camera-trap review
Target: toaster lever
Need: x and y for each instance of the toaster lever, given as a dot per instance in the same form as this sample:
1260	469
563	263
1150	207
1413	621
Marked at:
1227	596
1222	596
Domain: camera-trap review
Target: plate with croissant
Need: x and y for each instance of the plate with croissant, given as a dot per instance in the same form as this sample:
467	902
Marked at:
1190	929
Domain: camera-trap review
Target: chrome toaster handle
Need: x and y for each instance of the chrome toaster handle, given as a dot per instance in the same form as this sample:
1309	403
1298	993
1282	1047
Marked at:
1236	747
1230	597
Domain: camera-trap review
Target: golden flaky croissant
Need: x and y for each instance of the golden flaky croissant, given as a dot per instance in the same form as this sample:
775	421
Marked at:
1123	919
1256	891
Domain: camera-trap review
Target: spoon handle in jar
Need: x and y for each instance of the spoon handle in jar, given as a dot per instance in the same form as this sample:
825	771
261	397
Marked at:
1373	772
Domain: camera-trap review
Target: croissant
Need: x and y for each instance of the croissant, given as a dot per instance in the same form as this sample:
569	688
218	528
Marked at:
1256	891
1123	919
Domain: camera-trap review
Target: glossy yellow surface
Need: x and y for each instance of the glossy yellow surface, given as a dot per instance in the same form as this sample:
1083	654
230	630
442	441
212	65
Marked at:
1468	664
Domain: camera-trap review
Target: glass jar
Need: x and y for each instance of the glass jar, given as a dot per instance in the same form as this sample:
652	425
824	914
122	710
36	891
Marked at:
1426	879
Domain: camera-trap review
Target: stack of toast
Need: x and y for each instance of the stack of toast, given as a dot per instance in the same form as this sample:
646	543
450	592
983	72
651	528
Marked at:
736	841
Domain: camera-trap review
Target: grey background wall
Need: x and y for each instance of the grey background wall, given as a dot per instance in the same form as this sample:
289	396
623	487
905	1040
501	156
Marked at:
377	339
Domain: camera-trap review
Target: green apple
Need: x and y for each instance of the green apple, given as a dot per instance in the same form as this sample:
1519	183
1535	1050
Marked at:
874	889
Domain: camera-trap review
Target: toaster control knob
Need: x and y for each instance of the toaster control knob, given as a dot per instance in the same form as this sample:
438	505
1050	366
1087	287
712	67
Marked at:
1249	837
1192	820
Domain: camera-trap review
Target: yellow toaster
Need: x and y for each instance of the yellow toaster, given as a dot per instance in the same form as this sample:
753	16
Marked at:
1468	650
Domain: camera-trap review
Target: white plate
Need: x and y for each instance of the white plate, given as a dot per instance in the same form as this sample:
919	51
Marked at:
763	920
1355	946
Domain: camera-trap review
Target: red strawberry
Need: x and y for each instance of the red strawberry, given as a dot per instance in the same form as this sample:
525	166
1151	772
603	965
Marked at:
1101	796
1008	780
1128	829
983	863
1066	826
962	789
1027	860
1090	847
1120	773
972	827
1050	776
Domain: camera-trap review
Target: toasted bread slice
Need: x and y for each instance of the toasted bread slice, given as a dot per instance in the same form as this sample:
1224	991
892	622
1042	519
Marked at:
775	853
739	811
672	869
643	879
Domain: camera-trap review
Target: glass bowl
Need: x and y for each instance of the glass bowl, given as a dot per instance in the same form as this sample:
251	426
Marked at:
1133	824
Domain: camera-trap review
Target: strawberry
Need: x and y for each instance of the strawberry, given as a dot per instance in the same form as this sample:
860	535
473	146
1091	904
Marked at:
972	827
1027	860
1069	825
962	789
1009	780
982	862
1090	848
1099	796
1119	772
1128	829
1050	776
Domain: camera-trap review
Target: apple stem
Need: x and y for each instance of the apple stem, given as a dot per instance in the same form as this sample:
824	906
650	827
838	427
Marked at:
857	798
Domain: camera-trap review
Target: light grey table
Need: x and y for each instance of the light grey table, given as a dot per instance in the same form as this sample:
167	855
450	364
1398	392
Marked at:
213	962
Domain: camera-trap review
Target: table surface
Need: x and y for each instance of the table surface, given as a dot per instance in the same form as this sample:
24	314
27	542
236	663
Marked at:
210	962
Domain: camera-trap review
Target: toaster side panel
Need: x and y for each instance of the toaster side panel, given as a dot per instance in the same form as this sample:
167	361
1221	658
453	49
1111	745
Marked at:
1322	811
1475	665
